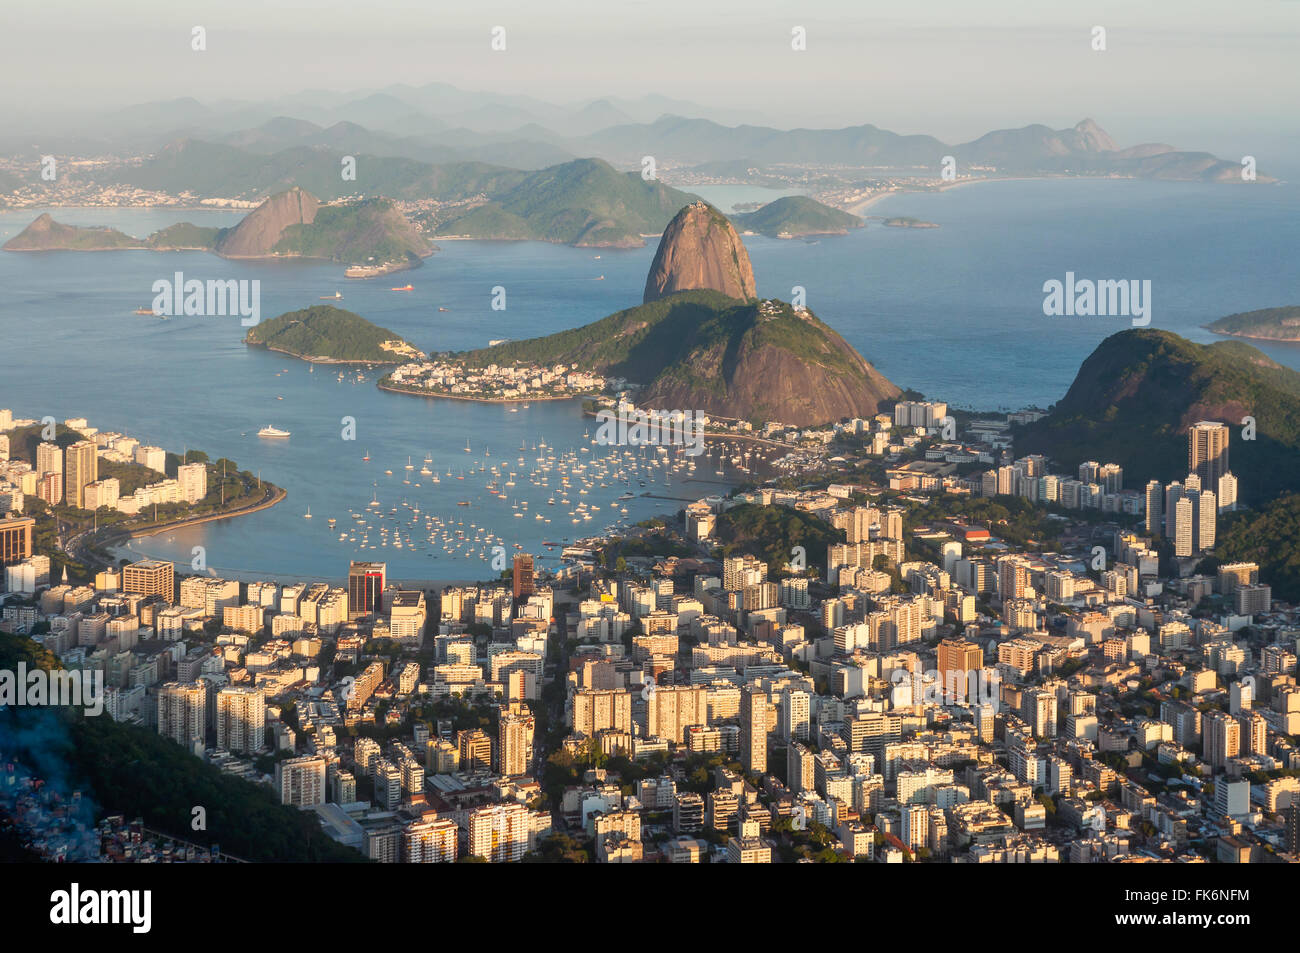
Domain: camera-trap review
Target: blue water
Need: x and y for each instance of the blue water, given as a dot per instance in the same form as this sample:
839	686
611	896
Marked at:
954	312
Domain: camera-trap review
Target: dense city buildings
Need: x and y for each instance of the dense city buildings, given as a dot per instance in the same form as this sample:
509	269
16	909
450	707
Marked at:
932	688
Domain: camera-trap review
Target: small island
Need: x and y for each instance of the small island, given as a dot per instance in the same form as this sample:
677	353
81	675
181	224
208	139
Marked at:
904	221
324	334
796	216
1268	324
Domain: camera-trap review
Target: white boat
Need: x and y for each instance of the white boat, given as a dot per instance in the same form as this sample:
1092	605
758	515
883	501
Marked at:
269	431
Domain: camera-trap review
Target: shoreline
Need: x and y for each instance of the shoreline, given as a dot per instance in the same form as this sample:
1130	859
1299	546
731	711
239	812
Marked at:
723	435
481	400
321	360
859	207
277	497
1250	337
114	542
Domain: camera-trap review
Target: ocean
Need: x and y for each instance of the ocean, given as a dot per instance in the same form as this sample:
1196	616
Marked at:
954	312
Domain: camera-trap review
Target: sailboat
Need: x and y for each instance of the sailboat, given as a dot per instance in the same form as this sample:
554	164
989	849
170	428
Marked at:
307	515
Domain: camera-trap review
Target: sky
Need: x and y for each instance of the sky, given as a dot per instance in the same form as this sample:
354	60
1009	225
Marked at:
1198	74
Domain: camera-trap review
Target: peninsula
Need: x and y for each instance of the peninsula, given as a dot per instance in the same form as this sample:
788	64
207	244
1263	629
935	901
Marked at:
1268	324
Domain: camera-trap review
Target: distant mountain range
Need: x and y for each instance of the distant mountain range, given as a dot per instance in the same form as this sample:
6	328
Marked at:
207	169
1037	149
439	142
401	110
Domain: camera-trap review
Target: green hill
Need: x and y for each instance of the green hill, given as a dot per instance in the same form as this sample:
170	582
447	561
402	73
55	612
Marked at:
1135	396
213	169
795	216
1270	324
770	532
372	230
183	235
586	202
701	350
325	334
1270	537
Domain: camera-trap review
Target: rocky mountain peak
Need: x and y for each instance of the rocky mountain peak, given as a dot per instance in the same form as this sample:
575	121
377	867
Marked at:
700	250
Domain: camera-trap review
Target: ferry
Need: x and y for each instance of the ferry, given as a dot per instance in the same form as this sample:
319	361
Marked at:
334	297
269	431
403	288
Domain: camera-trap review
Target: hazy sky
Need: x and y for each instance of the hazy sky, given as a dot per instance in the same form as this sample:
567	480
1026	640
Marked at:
1193	72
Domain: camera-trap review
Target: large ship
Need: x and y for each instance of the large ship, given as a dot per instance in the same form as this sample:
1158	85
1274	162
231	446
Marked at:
269	431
